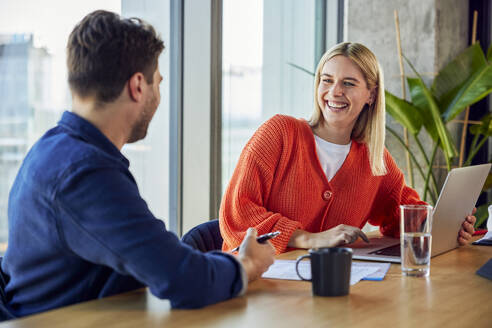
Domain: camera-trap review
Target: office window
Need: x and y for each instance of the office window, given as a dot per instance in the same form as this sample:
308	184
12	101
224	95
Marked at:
34	90
33	87
261	41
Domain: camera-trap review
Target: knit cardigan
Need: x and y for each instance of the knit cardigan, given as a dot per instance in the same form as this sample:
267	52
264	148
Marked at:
278	184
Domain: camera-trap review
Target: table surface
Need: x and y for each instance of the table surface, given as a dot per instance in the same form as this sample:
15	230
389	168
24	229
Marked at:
452	295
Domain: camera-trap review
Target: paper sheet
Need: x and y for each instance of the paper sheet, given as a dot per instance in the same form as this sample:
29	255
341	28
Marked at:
382	268
286	269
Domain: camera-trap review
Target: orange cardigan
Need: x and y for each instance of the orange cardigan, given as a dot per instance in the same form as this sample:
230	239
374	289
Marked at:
278	184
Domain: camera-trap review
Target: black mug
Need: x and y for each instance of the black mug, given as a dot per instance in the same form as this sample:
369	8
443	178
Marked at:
330	270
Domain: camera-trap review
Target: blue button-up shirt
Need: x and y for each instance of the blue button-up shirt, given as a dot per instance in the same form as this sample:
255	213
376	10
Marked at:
79	230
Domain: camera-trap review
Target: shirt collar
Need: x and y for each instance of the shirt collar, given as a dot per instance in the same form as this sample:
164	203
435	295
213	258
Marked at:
85	130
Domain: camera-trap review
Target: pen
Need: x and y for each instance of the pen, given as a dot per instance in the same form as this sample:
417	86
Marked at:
261	239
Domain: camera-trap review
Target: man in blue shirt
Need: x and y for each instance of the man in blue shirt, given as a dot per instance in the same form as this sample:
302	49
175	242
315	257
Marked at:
78	227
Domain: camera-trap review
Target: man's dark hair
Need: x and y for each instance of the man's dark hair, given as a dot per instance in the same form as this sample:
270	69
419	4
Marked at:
104	50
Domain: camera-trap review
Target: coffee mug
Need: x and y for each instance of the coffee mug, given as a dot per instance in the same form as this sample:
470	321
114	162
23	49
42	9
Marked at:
330	270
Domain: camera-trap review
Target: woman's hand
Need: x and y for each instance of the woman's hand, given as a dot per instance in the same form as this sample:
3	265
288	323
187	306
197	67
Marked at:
467	230
340	235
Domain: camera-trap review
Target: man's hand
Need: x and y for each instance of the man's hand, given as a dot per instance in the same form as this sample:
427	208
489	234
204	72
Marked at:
255	257
340	235
467	230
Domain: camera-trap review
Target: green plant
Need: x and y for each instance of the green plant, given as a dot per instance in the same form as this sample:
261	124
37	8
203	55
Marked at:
461	83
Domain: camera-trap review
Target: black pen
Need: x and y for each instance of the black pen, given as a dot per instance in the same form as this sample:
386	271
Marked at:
261	239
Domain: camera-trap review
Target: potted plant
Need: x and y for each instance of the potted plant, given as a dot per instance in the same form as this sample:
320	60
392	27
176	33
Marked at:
461	83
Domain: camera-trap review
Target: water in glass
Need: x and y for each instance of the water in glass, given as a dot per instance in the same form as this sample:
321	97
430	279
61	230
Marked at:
416	251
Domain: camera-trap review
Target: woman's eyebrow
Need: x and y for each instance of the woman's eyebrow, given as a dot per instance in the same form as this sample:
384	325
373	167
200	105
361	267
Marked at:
345	78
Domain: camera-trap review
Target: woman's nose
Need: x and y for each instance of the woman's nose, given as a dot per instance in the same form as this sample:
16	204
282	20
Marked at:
336	89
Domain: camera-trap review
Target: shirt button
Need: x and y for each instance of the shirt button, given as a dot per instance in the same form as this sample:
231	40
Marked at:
327	194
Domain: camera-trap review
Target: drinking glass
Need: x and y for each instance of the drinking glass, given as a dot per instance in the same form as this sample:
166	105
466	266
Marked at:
416	239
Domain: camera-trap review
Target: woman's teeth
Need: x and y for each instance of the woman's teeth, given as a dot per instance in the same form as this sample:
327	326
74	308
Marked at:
336	105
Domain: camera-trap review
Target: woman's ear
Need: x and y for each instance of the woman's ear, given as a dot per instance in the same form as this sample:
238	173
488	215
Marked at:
372	96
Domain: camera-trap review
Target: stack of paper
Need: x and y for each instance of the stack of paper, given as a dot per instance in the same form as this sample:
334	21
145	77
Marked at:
286	269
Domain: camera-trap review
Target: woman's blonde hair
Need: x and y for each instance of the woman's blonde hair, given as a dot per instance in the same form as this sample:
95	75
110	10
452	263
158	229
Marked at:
370	125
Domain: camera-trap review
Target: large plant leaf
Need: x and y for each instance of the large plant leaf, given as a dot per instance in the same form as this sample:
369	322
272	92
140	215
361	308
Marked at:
460	69
489	54
453	143
444	136
404	113
420	101
478	86
419	98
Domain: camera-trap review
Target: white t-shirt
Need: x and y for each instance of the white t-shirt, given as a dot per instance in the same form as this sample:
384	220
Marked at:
331	156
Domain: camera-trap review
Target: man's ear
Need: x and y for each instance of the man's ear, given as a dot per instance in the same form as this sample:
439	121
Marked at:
136	87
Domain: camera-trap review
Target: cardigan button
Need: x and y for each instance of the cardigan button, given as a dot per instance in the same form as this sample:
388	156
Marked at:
327	194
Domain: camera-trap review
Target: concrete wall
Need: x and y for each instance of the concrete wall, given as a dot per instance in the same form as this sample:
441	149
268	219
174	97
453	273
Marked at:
432	32
452	27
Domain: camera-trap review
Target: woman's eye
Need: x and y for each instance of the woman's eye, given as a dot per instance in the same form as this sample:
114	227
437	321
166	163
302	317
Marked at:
327	81
349	84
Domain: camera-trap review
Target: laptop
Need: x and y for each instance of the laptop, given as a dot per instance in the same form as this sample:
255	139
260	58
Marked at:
456	200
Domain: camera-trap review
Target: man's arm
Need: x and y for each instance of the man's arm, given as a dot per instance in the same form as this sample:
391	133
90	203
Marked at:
103	219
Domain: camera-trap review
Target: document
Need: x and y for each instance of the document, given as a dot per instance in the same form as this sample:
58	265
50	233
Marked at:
286	269
382	269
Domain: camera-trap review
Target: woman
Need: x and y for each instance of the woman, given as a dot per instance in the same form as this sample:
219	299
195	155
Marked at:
320	181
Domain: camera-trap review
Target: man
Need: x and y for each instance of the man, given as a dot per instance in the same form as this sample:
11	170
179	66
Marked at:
78	228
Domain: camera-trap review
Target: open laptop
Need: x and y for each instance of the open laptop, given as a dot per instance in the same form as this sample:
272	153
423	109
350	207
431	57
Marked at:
456	200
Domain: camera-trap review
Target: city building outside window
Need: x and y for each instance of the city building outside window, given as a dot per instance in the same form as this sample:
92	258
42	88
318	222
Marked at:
34	90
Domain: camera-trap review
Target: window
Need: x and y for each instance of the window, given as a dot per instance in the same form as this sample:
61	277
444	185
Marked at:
34	90
262	41
33	87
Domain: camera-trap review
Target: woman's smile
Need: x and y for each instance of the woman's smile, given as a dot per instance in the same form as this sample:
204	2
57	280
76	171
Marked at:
336	106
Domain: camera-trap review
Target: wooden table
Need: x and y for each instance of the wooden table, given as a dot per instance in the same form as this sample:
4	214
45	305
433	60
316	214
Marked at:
453	296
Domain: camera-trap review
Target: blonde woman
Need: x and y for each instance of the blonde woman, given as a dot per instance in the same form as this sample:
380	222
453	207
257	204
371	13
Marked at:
320	181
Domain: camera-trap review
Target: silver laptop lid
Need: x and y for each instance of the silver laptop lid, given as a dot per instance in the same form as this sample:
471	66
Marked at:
456	200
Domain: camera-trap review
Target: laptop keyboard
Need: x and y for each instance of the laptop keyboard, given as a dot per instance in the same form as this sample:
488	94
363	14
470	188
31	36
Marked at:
388	251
